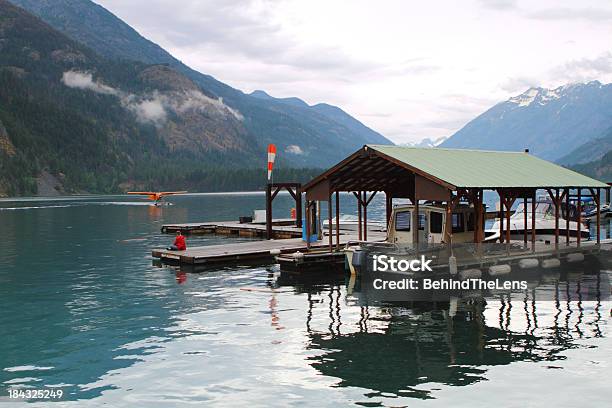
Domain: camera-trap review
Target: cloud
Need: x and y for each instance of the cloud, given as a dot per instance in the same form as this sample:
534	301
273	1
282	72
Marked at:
563	13
518	84
499	4
584	69
152	107
294	149
84	80
149	110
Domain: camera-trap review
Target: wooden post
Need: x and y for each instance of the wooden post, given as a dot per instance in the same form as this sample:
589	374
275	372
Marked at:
508	208
298	206
579	219
269	211
329	219
308	224
501	215
477	208
525	219
338	220
533	220
359	230
449	221
415	221
557	217
365	216
598	228
482	216
388	207
567	217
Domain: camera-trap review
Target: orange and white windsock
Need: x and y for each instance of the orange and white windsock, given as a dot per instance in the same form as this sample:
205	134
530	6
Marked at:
271	157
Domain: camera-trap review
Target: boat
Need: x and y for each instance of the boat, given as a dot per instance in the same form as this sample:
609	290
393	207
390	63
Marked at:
589	209
544	224
431	229
351	223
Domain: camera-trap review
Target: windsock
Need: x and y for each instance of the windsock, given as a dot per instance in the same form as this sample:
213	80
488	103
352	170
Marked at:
271	157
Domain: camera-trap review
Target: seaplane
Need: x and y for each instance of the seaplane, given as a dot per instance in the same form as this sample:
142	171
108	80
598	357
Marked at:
157	196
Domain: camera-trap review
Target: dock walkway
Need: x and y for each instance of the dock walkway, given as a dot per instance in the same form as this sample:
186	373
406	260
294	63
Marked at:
281	228
243	251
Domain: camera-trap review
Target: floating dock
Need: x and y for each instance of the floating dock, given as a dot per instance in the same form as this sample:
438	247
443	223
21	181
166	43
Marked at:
281	228
264	250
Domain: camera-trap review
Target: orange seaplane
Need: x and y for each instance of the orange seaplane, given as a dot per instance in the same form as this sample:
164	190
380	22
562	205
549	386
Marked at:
156	196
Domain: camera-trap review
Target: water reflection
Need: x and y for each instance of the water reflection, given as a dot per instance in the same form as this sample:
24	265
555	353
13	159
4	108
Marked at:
391	349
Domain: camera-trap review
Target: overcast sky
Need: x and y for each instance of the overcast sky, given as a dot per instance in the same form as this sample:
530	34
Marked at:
408	69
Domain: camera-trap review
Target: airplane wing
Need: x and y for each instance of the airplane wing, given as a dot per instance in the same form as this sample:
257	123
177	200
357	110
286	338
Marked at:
158	193
155	196
164	193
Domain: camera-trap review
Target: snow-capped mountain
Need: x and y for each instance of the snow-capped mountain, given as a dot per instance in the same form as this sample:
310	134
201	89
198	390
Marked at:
549	122
427	142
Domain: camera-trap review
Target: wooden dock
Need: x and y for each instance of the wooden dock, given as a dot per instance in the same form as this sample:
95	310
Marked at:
264	250
281	228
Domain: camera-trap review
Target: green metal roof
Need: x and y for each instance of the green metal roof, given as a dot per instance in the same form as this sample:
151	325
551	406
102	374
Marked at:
482	169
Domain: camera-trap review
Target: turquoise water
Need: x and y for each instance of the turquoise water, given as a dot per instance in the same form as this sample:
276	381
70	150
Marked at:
85	310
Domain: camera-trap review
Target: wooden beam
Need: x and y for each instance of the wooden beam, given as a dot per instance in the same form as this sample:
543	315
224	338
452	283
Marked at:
567	217
415	221
337	220
533	220
579	219
330	233
525	220
598	228
449	222
369	200
308	223
269	199
359	231
388	207
501	215
509	203
298	206
365	216
557	204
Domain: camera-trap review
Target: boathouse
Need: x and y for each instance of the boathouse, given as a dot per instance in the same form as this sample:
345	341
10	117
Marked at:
450	176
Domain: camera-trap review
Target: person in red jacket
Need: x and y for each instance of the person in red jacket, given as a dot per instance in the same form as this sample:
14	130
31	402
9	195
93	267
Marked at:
179	243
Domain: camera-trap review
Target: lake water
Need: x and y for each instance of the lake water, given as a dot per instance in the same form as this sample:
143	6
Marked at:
84	309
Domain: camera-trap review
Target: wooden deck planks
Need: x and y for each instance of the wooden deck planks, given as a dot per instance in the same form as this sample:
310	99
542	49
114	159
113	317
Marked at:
245	250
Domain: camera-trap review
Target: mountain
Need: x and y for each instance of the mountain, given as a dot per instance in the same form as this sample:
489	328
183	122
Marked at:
330	111
549	122
306	136
427	142
74	121
592	150
600	169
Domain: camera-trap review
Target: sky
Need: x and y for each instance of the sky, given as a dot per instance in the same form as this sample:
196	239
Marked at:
408	69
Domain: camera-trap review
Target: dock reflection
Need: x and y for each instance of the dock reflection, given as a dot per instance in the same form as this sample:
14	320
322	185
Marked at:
395	348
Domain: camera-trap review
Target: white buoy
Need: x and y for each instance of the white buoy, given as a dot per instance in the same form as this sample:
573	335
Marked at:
452	265
470	274
298	255
275	252
575	257
551	263
452	307
528	263
496	270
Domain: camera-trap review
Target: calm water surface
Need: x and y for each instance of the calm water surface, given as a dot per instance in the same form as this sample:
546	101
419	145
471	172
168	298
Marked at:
83	308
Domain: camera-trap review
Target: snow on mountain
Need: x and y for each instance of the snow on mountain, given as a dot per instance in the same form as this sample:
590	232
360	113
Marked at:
550	122
427	142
